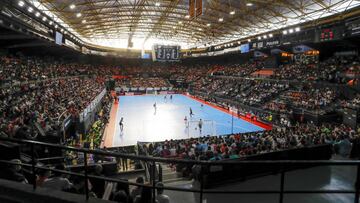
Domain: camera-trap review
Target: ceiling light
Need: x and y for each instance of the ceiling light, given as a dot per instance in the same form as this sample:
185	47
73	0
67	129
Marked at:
285	32
270	35
200	29
180	22
56	26
187	16
264	36
259	38
88	26
62	30
208	24
291	30
30	9
72	6
51	22
83	21
249	40
157	4
21	3
297	29
65	32
249	4
232	12
44	18
78	15
221	19
37	14
174	27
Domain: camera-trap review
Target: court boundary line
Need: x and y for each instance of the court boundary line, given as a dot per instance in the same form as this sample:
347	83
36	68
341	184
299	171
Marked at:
257	123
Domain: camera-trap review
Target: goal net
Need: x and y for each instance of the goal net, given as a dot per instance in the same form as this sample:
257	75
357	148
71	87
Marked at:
208	127
151	91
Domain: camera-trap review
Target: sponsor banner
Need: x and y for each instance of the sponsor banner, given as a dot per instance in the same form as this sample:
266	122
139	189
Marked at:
272	43
129	93
119	76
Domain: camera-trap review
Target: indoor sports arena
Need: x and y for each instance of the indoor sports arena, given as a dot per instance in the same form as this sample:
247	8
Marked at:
179	101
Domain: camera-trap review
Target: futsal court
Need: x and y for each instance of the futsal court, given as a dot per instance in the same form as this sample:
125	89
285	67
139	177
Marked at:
143	123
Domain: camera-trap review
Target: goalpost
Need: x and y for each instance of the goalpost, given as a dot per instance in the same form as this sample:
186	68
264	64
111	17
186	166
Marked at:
151	92
208	128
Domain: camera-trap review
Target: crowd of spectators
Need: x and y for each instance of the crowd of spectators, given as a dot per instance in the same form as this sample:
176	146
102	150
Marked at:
21	69
332	70
241	145
353	103
311	98
44	102
246	91
143	82
237	69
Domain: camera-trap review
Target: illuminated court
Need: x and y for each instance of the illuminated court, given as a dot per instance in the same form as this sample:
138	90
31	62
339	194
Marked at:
141	122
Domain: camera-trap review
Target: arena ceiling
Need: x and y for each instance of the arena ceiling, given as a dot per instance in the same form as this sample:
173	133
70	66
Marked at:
113	22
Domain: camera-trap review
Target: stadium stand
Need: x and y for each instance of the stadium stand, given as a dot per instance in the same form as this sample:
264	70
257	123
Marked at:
59	104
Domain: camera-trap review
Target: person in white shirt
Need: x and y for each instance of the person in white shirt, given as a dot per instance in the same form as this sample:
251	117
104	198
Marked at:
161	198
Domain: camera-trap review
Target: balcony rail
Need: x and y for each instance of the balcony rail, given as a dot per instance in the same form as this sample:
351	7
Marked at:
201	191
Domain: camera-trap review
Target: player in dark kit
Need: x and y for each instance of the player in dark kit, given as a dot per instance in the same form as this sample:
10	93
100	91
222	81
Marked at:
191	112
200	125
154	108
121	123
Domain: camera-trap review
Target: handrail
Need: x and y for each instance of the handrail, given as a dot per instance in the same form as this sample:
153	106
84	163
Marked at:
281	191
171	160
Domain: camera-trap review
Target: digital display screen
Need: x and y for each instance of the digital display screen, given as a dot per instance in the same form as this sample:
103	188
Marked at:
166	53
58	38
244	48
327	34
145	56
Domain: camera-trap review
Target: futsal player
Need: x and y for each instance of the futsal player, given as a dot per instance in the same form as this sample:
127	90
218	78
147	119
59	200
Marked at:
191	112
186	122
171	97
121	124
200	125
154	108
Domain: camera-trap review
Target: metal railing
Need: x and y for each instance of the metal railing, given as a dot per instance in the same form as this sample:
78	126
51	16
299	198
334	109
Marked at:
201	191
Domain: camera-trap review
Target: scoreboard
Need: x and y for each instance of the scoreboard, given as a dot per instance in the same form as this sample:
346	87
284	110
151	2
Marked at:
166	53
330	33
327	34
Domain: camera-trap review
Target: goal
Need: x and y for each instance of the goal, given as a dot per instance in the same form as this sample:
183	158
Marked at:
208	128
151	91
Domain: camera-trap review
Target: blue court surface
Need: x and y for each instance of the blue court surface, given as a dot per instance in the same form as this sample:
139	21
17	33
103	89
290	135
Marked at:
143	124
